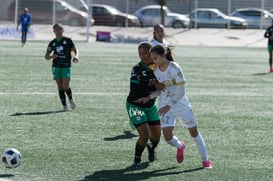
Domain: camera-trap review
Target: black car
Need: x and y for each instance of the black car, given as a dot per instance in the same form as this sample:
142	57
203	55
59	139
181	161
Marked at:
110	16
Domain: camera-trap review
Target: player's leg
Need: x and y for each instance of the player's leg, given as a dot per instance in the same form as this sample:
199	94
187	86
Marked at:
270	49
201	146
66	75
167	124
139	120
57	77
24	35
188	120
61	93
155	131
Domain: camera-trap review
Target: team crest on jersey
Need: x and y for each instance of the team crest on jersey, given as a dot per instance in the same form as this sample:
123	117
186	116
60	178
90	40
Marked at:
144	73
180	74
64	42
59	49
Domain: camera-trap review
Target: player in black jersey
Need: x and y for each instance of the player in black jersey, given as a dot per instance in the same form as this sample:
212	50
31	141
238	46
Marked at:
60	50
144	117
269	34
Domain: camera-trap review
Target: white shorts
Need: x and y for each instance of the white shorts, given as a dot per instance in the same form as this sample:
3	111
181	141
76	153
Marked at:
181	112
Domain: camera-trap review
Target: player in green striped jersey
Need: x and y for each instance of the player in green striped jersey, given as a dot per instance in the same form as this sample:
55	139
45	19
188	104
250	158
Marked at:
144	117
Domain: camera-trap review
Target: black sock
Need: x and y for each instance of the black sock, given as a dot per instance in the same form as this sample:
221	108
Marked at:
154	143
69	93
270	62
62	96
139	150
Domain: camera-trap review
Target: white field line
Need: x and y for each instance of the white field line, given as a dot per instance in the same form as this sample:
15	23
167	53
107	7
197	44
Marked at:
52	93
125	94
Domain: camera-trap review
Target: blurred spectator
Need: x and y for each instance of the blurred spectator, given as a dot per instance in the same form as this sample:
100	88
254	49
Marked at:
25	21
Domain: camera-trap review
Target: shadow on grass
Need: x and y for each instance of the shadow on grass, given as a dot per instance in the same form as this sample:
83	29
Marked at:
6	175
265	73
116	175
126	135
35	113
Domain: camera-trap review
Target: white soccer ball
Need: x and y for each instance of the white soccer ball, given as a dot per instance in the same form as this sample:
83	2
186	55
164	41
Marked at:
11	158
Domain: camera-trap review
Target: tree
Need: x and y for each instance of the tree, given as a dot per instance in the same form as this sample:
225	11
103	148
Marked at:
162	3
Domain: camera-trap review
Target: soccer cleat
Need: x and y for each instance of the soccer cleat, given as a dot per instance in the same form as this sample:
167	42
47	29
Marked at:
72	103
152	153
207	164
180	153
65	108
137	162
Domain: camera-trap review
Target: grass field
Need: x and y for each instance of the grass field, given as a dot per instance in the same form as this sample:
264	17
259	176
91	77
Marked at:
229	88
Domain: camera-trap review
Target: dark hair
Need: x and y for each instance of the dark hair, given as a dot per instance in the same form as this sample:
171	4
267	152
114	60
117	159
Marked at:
169	54
160	50
57	24
146	45
158	26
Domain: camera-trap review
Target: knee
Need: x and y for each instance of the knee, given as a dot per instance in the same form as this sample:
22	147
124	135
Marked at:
168	137
193	132
143	140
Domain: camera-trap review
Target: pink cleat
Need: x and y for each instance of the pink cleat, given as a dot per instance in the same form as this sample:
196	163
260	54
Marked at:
207	164
180	153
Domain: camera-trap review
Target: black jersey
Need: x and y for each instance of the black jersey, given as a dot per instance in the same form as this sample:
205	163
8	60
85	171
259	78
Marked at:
141	84
62	47
269	34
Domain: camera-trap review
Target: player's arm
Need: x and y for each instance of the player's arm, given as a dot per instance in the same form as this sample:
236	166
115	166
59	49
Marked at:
75	52
143	100
18	23
48	54
266	34
179	94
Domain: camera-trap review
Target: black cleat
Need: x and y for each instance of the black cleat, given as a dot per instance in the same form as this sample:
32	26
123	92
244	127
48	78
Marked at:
152	153
137	162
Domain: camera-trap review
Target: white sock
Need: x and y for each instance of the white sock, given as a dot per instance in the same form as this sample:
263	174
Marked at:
201	146
175	142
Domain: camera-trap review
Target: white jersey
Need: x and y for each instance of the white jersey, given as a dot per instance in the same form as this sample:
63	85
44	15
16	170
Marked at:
180	109
171	77
155	42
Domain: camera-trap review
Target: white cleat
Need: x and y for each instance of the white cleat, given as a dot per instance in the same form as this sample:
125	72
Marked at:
65	108
72	103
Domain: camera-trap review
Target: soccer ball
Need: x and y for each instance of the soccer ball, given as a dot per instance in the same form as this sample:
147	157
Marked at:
11	158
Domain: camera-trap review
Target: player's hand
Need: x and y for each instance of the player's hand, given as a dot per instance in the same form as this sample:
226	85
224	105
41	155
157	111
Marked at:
54	56
164	110
75	59
160	86
143	100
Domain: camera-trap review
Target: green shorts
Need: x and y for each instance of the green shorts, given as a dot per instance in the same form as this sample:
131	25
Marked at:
140	115
270	48
59	73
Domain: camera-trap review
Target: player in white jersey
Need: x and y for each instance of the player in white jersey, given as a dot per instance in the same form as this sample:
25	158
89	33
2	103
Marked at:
158	38
174	104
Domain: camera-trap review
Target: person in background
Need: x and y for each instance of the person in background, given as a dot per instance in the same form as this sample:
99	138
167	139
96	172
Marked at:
158	38
143	117
25	20
174	104
269	35
60	50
